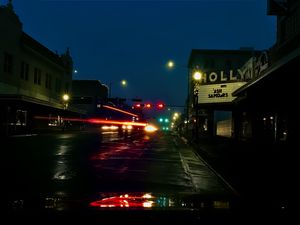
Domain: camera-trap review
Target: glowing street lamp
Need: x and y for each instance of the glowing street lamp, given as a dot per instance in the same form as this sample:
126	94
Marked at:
195	75
65	99
123	83
170	64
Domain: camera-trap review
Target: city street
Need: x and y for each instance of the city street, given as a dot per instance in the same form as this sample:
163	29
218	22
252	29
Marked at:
149	112
72	169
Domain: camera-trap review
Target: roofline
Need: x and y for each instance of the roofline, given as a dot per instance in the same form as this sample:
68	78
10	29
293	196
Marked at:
287	58
29	41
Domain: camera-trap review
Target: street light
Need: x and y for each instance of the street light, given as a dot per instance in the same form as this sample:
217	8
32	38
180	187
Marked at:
65	99
196	74
123	83
170	64
197	78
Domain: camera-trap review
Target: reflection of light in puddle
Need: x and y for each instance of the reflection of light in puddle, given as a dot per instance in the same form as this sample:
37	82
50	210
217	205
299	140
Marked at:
62	150
66	136
147	200
127	200
63	171
114	150
56	201
110	136
109	132
51	202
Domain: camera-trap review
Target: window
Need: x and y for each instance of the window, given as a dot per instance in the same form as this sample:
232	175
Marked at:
24	71
48	81
37	76
8	63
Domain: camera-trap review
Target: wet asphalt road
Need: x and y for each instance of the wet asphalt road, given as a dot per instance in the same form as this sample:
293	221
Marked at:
38	170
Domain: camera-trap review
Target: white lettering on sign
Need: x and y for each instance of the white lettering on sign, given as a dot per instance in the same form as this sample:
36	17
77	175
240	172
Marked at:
223	77
213	77
232	77
217	93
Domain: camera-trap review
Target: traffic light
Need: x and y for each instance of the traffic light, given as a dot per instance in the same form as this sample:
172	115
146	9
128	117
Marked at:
138	106
148	105
163	120
160	105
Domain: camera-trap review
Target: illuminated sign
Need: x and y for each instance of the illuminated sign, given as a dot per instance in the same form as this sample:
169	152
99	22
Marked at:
261	63
218	93
224	77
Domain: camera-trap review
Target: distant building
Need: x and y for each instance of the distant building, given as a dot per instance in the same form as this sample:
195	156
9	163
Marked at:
33	79
210	100
267	105
88	95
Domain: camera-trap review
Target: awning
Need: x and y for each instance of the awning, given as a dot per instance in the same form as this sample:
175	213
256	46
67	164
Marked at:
279	64
51	104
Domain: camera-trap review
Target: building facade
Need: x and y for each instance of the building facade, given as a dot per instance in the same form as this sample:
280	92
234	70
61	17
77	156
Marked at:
88	95
267	104
209	104
33	79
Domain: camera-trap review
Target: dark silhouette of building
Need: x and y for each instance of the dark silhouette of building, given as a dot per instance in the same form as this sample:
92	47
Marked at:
33	79
88	95
267	105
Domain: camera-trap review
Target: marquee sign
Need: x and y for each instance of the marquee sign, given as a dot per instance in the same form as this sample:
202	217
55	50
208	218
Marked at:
215	77
218	93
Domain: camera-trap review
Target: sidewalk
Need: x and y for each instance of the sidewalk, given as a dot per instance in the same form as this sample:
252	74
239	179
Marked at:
260	173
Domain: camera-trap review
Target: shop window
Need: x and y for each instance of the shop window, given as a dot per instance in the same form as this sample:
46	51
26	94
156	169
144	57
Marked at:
21	118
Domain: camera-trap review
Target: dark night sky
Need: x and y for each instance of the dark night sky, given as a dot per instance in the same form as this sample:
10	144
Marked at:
132	40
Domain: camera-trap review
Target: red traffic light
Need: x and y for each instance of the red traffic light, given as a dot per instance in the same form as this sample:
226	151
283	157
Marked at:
160	105
137	106
148	106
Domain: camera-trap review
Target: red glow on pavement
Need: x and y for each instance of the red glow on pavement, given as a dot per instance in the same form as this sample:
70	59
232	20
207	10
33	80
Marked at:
124	201
96	121
115	122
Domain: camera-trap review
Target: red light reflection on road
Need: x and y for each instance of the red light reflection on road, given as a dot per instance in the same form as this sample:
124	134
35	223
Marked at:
142	201
96	121
115	122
